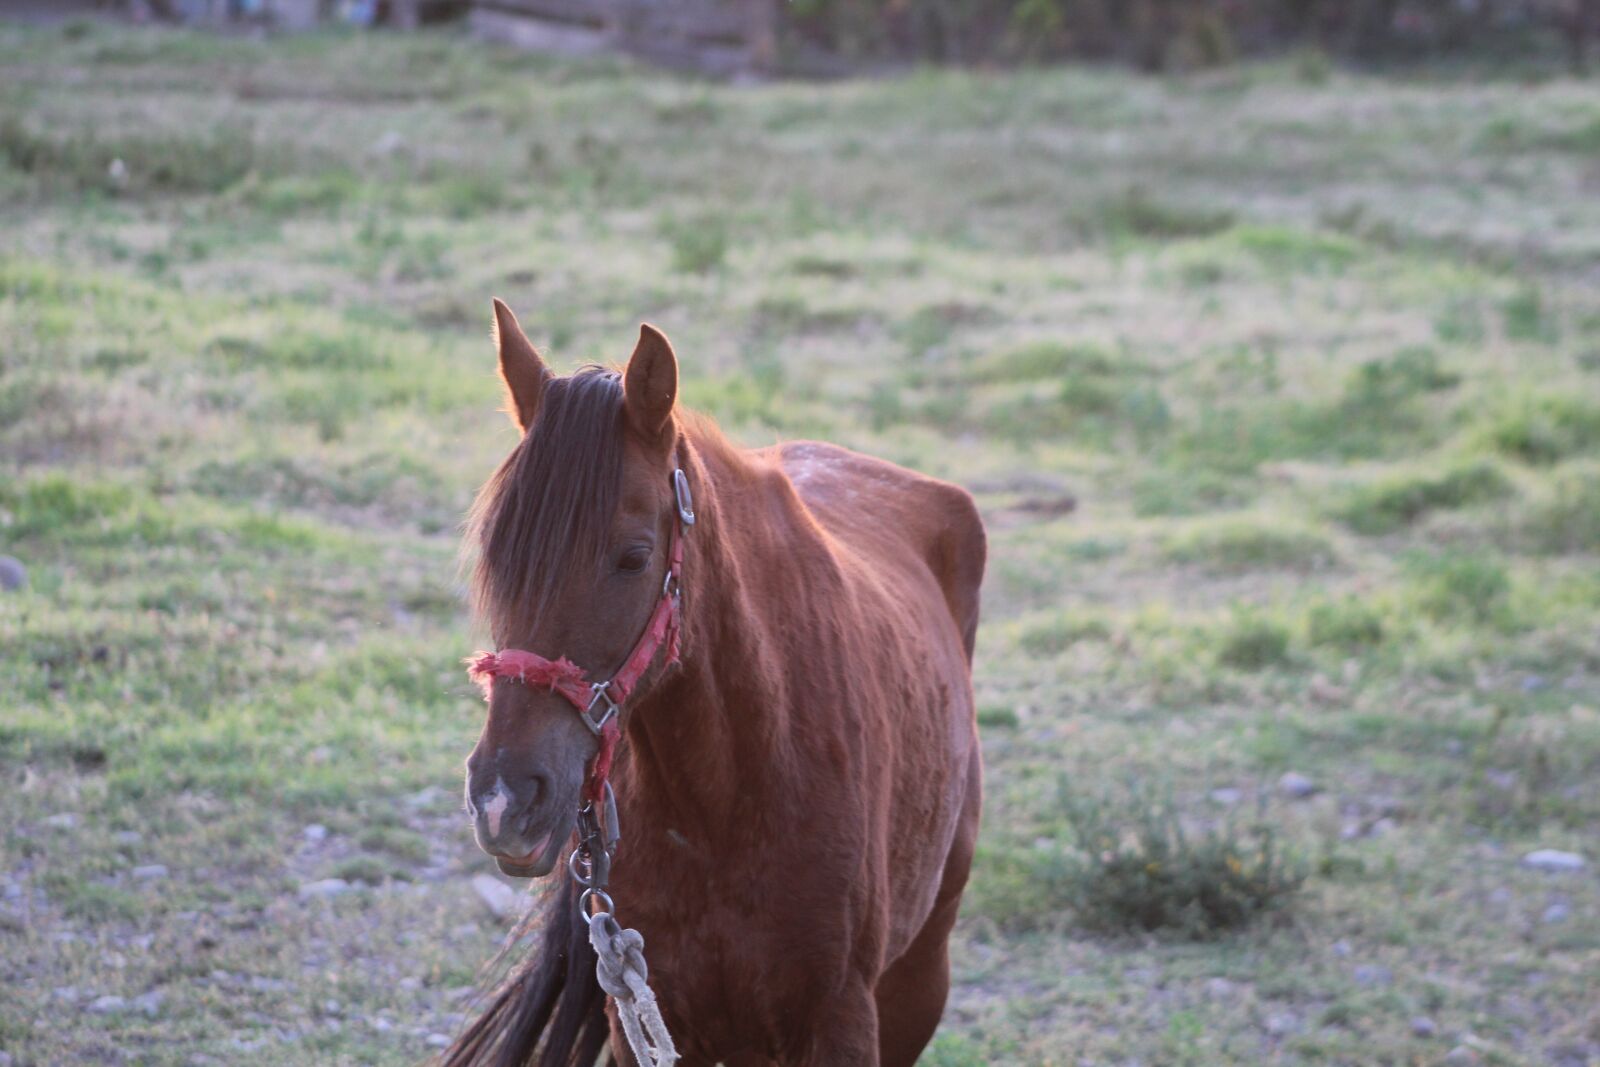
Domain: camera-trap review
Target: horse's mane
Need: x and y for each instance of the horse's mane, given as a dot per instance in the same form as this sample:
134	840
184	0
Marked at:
547	509
550	1011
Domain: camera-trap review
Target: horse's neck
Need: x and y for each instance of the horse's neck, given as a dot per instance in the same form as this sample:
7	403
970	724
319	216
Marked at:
709	736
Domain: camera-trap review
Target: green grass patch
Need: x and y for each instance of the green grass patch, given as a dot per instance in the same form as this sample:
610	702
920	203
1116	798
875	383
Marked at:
1567	518
1252	642
1395	502
1054	634
207	161
1454	587
1543	428
1246	543
1052	359
1347	625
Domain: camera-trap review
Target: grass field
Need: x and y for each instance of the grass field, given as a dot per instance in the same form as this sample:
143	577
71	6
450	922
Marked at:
1279	388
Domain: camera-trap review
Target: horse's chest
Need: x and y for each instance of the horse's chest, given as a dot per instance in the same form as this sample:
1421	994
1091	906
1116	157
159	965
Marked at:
739	970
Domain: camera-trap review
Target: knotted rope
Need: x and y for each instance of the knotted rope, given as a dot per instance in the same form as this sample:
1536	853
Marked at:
622	973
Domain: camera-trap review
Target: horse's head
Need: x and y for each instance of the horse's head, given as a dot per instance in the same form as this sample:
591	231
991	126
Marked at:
572	535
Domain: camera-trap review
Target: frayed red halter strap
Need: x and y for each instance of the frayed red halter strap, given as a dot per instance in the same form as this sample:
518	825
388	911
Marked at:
567	678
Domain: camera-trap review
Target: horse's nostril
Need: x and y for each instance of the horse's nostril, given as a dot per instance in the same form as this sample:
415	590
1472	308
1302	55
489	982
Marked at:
535	787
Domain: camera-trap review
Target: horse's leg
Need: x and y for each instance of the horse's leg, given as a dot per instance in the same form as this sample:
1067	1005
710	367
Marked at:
911	993
845	1031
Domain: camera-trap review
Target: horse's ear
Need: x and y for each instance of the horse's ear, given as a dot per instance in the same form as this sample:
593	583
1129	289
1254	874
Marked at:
650	386
520	367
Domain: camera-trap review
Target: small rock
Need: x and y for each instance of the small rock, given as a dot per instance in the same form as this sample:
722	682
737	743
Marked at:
1559	912
1422	1026
65	820
108	1005
1460	1056
127	837
1227	796
315	832
6	1060
332	1007
1382	827
381	1025
13	575
1281	1024
1341	948
327	887
1373	975
1296	786
1550	859
438	1041
150	1003
149	872
68	993
1220	989
499	898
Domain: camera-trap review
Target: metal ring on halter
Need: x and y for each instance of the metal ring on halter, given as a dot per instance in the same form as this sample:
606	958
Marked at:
599	691
583	901
680	489
669	584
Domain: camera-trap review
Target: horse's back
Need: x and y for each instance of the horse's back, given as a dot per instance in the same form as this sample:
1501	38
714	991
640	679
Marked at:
886	512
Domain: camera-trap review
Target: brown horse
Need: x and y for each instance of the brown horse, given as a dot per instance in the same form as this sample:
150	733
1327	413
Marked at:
799	791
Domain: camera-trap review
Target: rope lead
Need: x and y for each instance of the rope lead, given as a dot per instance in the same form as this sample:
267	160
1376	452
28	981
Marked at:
622	973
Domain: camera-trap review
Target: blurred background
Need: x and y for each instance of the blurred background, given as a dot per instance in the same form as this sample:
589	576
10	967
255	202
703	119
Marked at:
1266	333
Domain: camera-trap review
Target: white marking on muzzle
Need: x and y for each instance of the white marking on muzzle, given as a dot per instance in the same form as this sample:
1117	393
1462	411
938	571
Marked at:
496	806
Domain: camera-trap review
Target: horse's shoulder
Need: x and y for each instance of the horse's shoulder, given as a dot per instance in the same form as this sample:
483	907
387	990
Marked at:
939	519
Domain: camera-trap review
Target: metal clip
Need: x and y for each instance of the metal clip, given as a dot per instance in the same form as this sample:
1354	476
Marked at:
680	488
611	833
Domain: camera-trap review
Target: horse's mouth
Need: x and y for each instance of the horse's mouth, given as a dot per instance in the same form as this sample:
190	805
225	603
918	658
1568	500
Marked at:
537	863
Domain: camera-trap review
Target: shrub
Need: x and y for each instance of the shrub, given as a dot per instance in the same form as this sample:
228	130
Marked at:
1392	503
1253	643
1123	863
1136	868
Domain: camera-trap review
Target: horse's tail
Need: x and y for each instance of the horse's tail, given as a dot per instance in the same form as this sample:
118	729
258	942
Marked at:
550	1011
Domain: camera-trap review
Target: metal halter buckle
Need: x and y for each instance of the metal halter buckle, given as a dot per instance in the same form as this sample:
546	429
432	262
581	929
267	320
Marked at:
680	488
599	689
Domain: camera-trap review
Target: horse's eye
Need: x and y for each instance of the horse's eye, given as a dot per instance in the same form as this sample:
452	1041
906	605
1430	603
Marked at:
634	559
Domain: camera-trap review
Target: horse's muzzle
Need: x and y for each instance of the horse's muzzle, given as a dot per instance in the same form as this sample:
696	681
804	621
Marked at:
521	833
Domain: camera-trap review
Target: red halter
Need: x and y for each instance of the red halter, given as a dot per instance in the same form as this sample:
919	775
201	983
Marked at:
567	678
